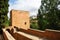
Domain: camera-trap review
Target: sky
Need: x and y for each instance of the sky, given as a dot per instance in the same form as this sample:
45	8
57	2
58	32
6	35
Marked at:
27	5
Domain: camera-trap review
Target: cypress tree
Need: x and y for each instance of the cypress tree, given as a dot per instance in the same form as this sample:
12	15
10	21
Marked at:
3	13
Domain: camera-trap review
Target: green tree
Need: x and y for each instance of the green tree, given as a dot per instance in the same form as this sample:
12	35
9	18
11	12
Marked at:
3	13
48	15
33	23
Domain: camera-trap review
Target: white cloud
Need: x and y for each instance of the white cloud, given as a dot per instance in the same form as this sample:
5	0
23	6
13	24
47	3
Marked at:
28	5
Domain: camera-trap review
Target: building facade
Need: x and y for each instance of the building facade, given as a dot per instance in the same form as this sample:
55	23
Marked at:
20	19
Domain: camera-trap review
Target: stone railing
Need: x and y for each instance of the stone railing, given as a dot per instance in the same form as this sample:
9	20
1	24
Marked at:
47	34
52	34
17	36
7	35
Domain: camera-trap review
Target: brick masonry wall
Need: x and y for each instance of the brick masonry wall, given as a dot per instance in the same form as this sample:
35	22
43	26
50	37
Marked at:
20	19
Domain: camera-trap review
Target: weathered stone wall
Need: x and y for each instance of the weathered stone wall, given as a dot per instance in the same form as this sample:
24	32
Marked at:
20	19
48	34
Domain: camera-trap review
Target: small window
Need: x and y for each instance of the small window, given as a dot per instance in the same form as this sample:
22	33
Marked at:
25	23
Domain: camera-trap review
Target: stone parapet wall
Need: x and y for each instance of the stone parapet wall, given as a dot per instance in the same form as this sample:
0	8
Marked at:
7	35
47	34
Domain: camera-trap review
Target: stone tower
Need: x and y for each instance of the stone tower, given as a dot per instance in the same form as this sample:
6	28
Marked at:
20	19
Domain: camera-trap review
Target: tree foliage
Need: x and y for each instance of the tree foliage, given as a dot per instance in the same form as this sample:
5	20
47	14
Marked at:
3	12
49	15
33	23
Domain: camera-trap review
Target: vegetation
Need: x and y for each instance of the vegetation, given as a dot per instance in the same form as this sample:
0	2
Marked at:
3	13
48	15
33	23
